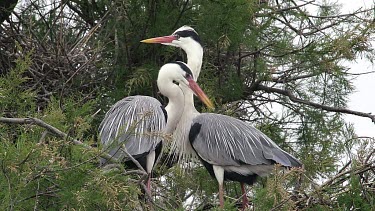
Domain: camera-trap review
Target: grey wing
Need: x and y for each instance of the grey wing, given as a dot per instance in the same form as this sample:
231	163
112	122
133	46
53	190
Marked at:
134	123
226	141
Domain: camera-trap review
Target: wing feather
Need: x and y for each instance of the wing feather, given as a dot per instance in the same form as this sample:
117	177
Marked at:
226	141
134	123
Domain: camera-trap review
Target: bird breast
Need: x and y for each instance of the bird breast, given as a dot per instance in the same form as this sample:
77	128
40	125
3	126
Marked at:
180	144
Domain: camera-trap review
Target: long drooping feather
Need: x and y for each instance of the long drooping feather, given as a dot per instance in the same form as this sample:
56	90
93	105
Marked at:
133	123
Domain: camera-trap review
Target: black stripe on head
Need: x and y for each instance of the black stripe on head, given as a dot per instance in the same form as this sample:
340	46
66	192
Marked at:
189	33
184	67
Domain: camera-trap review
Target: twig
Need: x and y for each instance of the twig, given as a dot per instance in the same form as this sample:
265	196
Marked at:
11	202
26	158
345	166
55	131
149	197
37	196
44	134
358	170
123	149
280	204
134	172
293	98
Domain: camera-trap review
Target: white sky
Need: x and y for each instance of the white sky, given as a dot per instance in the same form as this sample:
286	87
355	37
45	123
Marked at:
363	99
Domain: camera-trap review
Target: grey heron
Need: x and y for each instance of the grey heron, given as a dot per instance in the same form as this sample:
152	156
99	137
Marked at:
175	80
188	40
128	126
229	149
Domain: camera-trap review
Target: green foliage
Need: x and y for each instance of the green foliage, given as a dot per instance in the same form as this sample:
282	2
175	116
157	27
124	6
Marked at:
354	198
224	22
115	192
44	176
274	193
43	172
74	117
15	99
80	57
139	79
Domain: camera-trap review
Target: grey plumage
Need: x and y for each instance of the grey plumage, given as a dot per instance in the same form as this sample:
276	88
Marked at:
225	141
133	123
229	148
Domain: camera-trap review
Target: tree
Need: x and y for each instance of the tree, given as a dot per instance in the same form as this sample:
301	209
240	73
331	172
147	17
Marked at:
65	62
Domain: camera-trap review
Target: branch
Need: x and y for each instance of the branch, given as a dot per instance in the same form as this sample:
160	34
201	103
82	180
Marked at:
6	8
293	98
340	177
359	11
55	131
286	79
149	197
281	10
123	149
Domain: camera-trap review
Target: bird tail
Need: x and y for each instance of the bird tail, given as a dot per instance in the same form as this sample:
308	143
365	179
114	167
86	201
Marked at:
285	159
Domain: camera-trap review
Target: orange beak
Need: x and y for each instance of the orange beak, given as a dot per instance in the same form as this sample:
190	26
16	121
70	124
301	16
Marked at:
199	92
165	39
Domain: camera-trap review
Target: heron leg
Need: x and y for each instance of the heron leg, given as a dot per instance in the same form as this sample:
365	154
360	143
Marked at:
149	165
245	201
148	184
219	174
221	195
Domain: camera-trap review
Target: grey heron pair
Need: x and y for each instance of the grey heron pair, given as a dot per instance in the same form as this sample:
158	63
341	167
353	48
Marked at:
131	125
229	148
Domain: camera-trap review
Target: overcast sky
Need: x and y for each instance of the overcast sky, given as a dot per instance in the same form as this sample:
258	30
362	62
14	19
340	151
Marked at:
363	99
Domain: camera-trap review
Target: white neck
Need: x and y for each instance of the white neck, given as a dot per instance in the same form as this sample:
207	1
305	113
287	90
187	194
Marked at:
181	146
175	106
174	112
179	121
194	55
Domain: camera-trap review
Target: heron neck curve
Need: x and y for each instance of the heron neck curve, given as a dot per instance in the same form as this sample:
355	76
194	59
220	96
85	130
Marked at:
194	54
180	144
175	105
174	110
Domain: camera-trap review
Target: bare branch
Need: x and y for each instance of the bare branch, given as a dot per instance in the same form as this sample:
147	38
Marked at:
293	98
123	149
284	79
280	10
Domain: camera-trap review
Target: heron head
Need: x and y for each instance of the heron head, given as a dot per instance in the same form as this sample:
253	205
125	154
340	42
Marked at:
180	75
184	37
